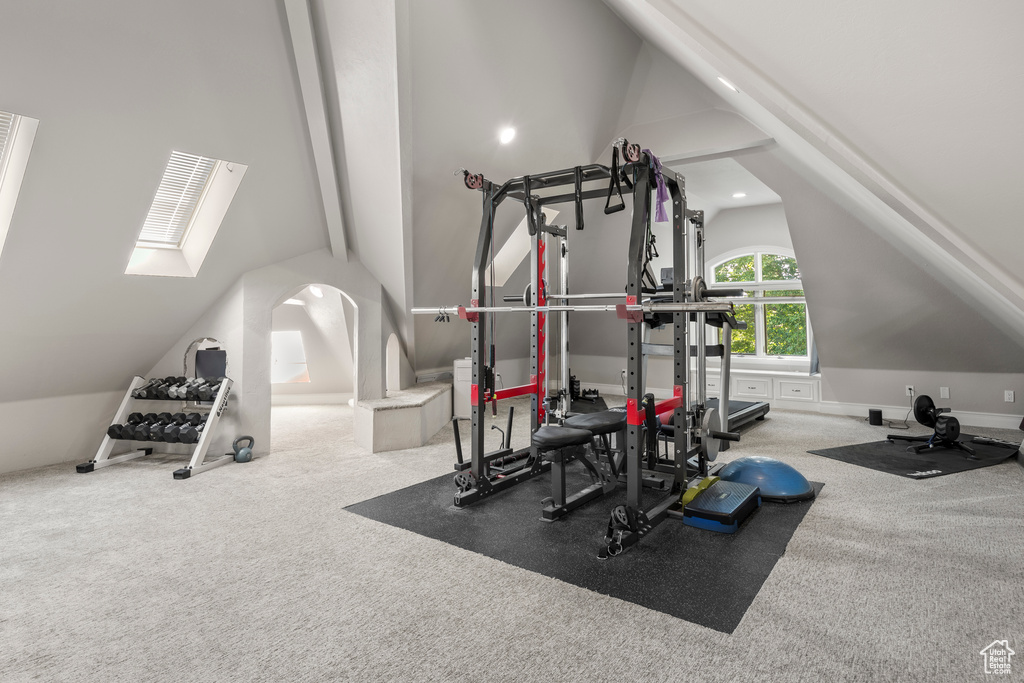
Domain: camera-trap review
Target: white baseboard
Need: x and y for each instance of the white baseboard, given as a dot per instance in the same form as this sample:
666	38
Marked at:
308	399
966	418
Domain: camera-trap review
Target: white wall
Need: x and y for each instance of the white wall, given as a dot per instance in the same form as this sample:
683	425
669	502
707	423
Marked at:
243	321
746	228
479	66
46	431
112	103
977	392
114	93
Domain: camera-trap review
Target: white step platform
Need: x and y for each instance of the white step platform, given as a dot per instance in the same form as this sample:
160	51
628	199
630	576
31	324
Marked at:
405	419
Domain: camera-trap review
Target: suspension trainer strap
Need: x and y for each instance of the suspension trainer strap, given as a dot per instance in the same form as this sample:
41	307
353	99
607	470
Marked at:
615	186
578	173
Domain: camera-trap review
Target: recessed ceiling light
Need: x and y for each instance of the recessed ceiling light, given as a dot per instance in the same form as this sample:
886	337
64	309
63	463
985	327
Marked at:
739	195
294	302
506	135
316	291
727	84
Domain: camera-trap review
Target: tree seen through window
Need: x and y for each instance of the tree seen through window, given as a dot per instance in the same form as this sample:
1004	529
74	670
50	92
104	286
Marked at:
773	328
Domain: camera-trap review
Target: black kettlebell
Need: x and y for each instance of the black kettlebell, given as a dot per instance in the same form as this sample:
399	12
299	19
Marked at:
243	453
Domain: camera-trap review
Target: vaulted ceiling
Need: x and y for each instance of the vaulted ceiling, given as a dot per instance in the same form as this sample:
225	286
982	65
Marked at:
903	112
899	117
902	115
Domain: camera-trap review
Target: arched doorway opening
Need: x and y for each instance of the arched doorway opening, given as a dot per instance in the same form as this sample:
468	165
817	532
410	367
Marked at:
313	364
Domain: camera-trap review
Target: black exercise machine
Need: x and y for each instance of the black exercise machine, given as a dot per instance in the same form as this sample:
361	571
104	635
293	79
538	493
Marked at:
946	429
654	485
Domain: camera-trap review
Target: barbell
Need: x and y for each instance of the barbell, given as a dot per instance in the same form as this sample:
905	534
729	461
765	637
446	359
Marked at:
653	307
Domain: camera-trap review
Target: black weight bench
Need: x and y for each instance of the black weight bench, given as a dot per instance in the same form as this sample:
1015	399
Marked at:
603	426
560	446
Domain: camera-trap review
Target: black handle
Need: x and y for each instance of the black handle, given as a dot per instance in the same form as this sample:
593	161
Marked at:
578	178
531	217
724	436
514	299
724	291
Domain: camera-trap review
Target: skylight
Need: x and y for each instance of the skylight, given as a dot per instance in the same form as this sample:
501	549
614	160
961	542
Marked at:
16	136
180	192
190	203
6	124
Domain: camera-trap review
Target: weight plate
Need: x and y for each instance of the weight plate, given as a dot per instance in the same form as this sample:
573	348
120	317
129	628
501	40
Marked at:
711	423
697	289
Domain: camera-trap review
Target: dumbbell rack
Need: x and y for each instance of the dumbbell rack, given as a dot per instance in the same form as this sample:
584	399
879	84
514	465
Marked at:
104	457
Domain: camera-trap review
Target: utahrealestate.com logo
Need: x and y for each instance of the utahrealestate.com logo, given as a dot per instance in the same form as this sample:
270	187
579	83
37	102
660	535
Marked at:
997	657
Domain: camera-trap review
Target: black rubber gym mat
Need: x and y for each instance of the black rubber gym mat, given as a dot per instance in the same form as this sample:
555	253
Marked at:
701	576
587	407
894	458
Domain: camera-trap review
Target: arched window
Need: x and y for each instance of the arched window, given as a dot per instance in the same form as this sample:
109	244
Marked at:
776	317
392	369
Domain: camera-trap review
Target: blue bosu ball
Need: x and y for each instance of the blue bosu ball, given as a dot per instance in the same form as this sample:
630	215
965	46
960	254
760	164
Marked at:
779	482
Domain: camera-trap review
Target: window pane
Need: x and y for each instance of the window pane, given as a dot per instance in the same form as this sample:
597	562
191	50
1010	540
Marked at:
743	340
779	267
784	292
740	269
288	358
785	329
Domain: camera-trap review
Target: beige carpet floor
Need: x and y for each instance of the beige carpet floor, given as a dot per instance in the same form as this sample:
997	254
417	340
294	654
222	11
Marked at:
256	573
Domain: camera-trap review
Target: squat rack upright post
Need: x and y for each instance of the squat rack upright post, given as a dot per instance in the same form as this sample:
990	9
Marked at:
480	483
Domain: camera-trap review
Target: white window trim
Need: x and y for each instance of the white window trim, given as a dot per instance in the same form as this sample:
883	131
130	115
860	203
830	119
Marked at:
12	169
186	260
760	357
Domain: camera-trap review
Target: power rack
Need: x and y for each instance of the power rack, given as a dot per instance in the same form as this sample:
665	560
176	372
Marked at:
641	306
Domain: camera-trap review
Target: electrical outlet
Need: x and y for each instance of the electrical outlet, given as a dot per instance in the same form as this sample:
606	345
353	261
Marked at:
1008	396
943	392
910	390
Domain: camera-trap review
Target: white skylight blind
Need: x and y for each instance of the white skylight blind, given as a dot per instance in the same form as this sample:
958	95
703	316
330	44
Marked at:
180	191
6	123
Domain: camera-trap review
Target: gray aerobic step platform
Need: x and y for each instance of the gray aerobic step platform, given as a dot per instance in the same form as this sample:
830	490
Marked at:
722	506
